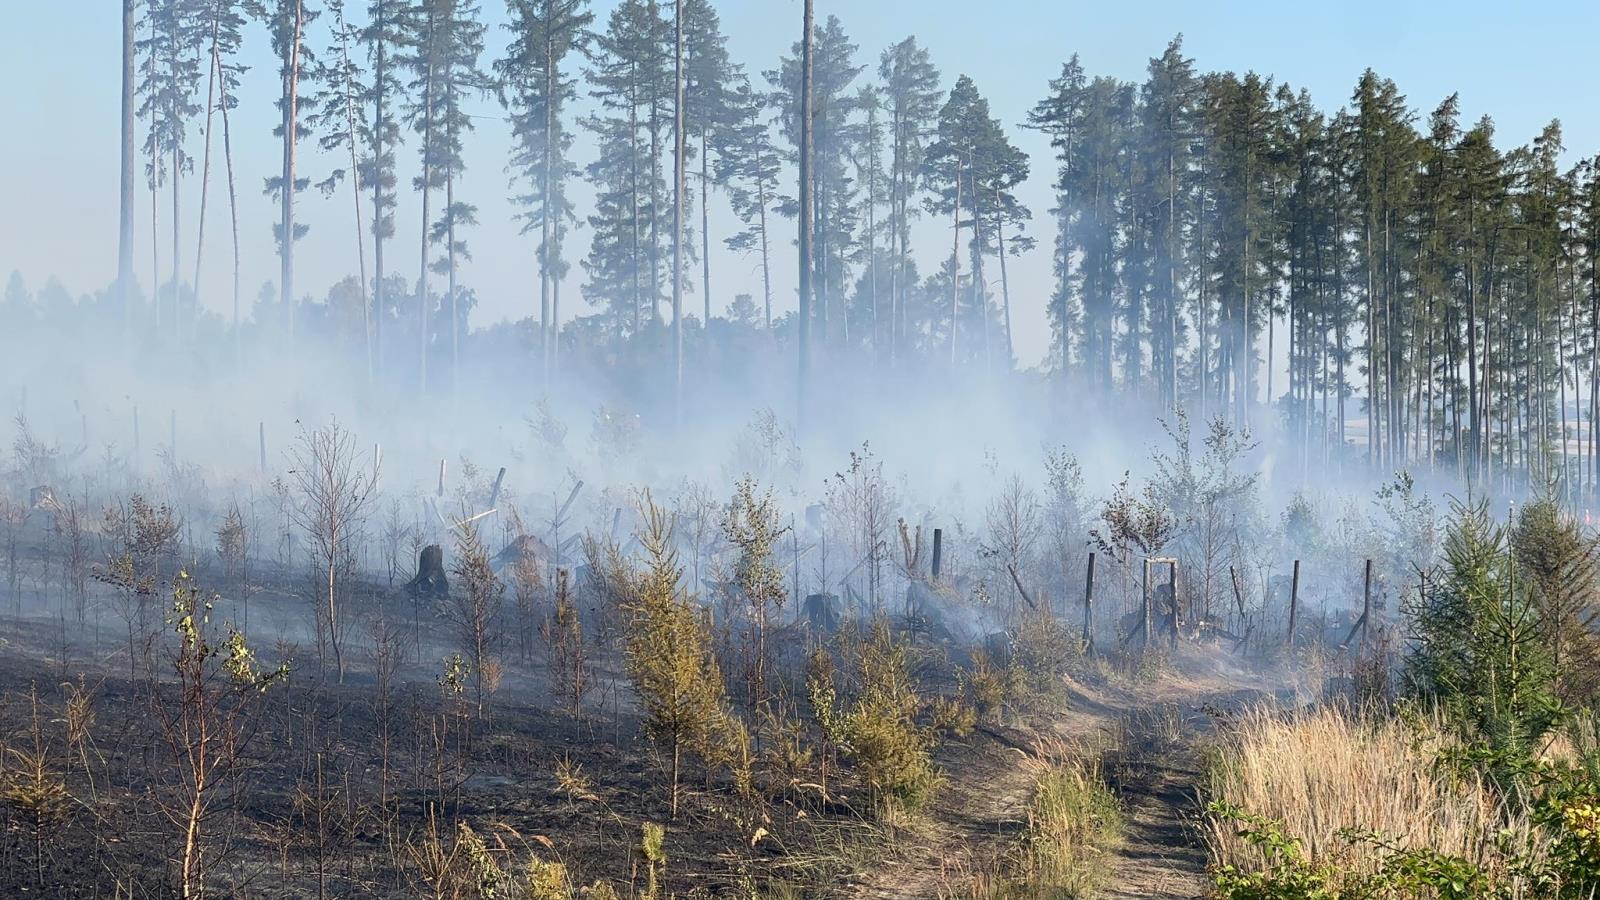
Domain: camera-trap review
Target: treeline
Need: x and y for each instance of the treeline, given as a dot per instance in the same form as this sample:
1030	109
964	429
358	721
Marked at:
1436	295
1441	288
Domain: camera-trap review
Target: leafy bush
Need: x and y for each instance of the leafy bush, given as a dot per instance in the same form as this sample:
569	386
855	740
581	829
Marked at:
877	728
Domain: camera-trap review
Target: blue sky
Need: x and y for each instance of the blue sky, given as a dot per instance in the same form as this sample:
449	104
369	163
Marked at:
1521	64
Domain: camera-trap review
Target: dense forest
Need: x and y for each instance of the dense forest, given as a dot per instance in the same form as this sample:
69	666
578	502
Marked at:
1387	285
1268	572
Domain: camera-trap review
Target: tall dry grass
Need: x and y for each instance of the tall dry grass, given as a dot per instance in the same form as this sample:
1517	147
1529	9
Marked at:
1073	825
1322	771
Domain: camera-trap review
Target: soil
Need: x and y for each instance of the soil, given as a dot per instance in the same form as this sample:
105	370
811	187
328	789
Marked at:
1150	730
306	819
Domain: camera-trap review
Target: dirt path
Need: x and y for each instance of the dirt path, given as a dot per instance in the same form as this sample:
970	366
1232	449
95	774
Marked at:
972	819
1153	761
1156	770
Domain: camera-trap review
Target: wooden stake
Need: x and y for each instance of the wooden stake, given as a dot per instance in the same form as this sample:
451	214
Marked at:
1294	600
1172	584
1238	595
1144	590
1244	618
1088	607
1366	602
938	551
1363	623
494	495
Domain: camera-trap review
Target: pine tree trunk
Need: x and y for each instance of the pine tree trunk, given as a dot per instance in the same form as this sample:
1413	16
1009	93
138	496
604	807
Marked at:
766	259
291	97
1005	283
427	184
205	166
450	266
955	263
355	191
705	225
233	217
546	208
380	100
177	250
125	169
678	150
633	164
872	234
806	211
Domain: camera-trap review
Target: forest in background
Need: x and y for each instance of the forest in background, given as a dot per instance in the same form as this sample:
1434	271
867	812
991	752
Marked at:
1377	283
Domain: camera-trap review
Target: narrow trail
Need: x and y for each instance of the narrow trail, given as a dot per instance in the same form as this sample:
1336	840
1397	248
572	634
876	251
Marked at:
1156	770
1160	855
974	817
1151	734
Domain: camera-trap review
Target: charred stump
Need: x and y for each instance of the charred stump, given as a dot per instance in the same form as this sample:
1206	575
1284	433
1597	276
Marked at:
430	580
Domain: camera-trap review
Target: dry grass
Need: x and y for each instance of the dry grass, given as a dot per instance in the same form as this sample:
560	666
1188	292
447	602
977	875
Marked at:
1073	825
1330	769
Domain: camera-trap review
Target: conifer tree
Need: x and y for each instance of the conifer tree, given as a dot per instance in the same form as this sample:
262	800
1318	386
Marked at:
1061	116
631	79
443	62
390	24
287	22
335	116
1241	119
833	189
748	166
712	113
1561	563
126	169
1385	147
973	169
670	659
1167	132
536	89
1478	649
172	74
224	22
912	98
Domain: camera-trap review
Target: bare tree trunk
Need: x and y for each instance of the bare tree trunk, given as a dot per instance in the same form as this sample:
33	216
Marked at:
547	177
380	98
806	211
766	262
450	268
427	183
205	167
955	263
233	215
177	250
872	240
155	257
705	224
355	190
125	210
677	212
290	123
633	193
1005	284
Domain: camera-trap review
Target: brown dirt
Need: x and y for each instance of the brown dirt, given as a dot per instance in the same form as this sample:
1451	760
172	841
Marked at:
1149	730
